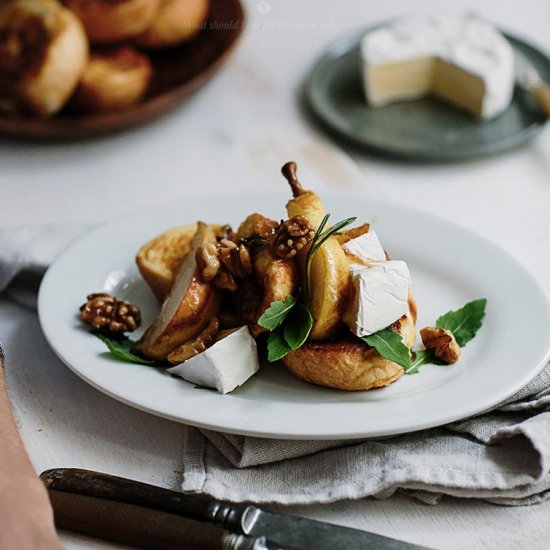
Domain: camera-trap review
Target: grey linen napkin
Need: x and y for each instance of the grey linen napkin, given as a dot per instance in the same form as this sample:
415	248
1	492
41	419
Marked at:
502	456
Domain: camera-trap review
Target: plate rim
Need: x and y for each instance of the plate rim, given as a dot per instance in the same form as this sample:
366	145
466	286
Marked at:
344	44
420	425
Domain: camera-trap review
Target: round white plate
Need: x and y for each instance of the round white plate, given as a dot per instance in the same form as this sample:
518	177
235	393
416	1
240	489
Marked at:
450	266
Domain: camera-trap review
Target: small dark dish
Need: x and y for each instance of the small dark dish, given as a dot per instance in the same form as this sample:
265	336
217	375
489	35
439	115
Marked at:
423	130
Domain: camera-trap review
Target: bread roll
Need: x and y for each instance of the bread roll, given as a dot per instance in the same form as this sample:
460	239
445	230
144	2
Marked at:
348	363
43	53
175	22
113	80
114	20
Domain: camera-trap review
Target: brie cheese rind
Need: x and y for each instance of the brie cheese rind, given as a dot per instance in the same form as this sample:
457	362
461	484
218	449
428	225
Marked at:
366	247
227	364
463	60
380	296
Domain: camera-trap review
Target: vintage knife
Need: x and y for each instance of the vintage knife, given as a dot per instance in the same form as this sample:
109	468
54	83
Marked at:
142	527
280	530
528	77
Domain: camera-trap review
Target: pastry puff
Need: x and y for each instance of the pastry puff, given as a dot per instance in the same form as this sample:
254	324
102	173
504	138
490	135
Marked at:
175	22
114	20
114	80
43	53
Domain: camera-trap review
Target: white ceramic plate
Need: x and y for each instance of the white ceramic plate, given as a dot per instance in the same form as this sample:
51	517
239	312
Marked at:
450	266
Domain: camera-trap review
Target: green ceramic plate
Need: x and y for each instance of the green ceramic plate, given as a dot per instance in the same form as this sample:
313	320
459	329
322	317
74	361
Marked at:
424	129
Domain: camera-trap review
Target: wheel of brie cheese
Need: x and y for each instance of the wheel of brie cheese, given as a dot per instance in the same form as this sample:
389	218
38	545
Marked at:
464	61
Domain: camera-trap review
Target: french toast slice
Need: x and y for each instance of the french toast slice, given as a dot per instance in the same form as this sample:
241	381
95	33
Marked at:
349	364
159	259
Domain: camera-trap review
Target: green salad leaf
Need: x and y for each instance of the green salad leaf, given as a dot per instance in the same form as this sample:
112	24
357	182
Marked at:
277	347
121	349
464	322
289	323
422	357
276	313
297	326
389	344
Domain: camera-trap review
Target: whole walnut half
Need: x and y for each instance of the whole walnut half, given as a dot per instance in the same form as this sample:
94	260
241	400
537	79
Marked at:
105	313
291	236
442	342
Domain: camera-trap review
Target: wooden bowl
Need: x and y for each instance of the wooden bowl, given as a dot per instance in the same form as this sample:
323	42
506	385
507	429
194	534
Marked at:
179	72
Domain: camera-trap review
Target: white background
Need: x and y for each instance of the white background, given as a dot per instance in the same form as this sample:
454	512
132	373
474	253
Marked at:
235	134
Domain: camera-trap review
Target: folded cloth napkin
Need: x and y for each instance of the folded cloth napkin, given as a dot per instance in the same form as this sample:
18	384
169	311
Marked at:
25	254
502	456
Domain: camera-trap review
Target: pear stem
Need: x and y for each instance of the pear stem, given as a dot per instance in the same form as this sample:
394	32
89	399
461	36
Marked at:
289	172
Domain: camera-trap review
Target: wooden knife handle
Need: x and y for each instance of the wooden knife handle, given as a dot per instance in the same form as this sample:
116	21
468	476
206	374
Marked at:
541	93
106	486
142	527
233	517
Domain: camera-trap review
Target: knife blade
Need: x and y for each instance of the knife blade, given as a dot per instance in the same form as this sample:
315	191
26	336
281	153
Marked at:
279	529
528	77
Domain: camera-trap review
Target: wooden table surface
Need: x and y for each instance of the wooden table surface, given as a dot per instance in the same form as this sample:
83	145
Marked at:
236	134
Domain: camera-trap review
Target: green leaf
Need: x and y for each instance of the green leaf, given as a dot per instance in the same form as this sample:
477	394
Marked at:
464	322
389	344
297	326
122	350
420	358
277	347
276	313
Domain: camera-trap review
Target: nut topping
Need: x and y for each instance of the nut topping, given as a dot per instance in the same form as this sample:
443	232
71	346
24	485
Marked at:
291	236
442	342
207	260
223	262
104	312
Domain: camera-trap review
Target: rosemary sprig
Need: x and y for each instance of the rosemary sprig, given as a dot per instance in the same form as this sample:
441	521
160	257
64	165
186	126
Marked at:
318	240
254	241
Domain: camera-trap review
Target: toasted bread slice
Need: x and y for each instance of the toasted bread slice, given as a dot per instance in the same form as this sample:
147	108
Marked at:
188	307
349	364
159	259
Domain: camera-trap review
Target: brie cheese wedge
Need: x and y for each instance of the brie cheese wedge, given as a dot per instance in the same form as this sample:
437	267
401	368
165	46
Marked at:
227	364
366	247
380	296
463	60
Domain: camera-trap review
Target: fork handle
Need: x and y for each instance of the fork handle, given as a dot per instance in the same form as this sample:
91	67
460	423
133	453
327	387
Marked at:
541	93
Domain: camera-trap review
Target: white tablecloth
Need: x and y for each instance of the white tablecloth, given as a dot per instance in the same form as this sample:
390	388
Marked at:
236	134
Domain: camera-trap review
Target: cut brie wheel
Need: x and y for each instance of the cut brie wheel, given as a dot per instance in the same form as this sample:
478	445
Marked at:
229	363
464	61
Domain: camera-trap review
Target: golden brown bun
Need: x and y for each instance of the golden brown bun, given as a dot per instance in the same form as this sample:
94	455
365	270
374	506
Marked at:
349	364
187	309
114	80
114	20
175	22
43	53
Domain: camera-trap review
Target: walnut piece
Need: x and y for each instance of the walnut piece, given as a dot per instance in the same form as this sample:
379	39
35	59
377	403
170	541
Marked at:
104	312
442	342
292	236
256	225
223	262
207	260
